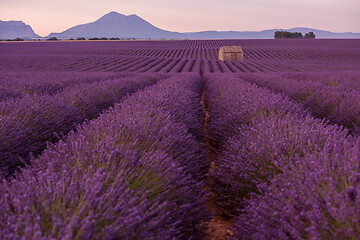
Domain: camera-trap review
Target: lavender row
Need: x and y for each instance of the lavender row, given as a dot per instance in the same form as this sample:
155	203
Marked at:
124	175
234	105
333	95
20	84
232	102
314	194
180	98
28	124
281	172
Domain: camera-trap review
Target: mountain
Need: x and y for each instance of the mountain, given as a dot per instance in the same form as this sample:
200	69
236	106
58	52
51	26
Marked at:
115	24
118	25
16	29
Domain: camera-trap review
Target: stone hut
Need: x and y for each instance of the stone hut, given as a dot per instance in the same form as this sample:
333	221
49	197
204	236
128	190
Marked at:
231	53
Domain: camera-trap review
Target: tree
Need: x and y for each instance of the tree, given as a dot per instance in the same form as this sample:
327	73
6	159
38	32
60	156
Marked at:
294	35
52	39
310	35
16	39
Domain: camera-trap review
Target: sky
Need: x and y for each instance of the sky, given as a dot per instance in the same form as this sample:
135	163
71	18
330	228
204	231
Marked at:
46	16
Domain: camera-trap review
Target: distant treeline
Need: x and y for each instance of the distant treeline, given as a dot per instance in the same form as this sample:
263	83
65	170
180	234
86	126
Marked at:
285	34
15	40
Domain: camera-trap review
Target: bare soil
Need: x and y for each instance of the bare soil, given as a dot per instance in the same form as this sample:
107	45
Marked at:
220	225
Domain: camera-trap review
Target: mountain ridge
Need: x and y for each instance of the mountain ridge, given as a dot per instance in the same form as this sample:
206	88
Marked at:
16	29
114	24
140	28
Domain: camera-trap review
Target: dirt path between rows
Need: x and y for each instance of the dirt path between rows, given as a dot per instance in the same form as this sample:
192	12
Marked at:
220	225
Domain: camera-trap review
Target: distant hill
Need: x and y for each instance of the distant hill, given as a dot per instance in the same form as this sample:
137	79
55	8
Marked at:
16	29
118	25
265	34
115	24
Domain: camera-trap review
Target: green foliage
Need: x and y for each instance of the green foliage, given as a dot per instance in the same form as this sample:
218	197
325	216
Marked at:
16	39
103	38
309	35
291	35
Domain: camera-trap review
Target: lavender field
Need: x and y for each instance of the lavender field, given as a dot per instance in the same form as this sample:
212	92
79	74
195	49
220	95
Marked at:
161	140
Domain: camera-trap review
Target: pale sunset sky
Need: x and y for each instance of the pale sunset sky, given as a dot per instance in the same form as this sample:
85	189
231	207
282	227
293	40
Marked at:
46	16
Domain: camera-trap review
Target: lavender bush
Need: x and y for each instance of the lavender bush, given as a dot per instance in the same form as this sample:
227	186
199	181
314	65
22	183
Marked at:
315	196
125	175
19	84
27	124
333	96
281	172
232	102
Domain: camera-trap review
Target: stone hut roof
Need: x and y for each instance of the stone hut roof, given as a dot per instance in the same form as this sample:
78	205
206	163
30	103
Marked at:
231	49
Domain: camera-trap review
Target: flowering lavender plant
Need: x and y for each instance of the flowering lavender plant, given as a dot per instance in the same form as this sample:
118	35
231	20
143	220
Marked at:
134	172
